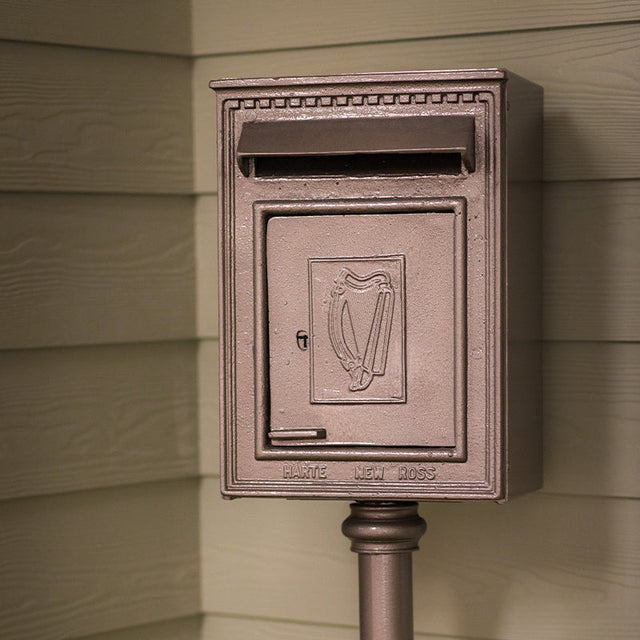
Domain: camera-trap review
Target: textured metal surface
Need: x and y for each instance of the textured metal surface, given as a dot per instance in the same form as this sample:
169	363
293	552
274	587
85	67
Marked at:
376	289
384	535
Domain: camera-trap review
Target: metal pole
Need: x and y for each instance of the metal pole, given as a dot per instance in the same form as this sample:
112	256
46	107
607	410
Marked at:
384	534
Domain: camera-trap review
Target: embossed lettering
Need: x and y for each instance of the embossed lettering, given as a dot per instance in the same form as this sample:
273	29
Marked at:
416	473
369	472
304	470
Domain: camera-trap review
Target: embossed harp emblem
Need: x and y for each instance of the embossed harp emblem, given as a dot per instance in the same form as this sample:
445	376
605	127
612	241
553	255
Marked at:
363	355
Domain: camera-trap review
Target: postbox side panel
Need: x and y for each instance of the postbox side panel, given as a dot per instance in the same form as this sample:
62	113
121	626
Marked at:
524	286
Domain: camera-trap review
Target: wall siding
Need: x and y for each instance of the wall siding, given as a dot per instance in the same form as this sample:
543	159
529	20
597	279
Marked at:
591	418
106	389
87	417
83	120
590	78
98	383
189	628
541	567
206	231
208	407
82	269
591	274
217	627
561	563
89	561
155	26
231	26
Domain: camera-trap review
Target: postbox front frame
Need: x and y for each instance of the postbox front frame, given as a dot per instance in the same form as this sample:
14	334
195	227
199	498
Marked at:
363	207
476	467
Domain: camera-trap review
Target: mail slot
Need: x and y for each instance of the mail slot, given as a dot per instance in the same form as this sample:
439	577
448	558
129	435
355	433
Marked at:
380	285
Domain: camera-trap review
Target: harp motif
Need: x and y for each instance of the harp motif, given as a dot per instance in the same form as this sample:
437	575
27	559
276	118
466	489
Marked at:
351	289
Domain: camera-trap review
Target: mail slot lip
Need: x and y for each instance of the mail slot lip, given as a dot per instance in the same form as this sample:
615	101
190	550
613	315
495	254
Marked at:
406	134
264	449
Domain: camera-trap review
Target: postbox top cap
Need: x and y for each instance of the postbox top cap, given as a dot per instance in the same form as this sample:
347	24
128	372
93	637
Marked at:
381	77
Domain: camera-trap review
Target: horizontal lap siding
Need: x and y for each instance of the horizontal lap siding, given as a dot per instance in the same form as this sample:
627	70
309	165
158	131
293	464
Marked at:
189	628
88	417
230	26
557	564
217	627
80	269
592	260
590	78
98	354
591	418
590	256
93	121
206	258
156	26
92	561
208	407
542	567
77	120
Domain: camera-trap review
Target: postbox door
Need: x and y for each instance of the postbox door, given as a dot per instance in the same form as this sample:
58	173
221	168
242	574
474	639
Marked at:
363	328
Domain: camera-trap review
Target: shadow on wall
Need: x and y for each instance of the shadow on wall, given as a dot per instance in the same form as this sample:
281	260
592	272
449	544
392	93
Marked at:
591	315
521	569
529	569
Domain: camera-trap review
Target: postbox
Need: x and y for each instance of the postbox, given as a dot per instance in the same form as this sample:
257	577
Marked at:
380	285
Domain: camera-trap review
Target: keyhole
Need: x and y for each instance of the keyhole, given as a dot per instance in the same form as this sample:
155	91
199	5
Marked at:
302	338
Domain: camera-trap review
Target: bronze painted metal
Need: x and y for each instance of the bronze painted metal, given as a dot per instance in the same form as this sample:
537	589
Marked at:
380	285
384	534
380	301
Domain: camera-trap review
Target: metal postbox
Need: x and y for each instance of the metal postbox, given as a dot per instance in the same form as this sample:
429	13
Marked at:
380	285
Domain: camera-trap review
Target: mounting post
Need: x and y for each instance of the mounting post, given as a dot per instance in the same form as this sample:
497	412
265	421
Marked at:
384	534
